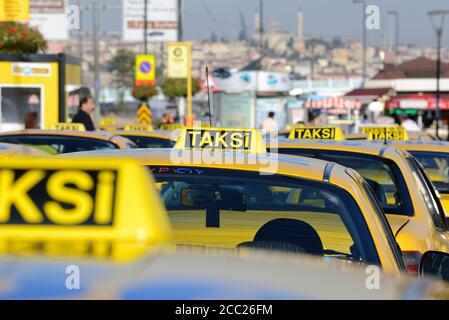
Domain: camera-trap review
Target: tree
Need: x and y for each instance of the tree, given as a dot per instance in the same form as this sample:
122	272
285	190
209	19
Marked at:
122	66
16	37
173	88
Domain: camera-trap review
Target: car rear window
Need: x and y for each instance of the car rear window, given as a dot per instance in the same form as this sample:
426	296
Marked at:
150	142
213	208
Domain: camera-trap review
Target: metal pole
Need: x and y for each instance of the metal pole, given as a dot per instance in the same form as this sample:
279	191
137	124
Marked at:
96	50
80	45
145	27
261	35
364	42
397	34
180	22
437	107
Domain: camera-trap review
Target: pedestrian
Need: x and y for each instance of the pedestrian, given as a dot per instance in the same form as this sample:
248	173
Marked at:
409	124
86	107
269	124
31	120
164	120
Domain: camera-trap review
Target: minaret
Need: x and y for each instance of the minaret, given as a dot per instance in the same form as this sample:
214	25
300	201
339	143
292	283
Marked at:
300	24
256	34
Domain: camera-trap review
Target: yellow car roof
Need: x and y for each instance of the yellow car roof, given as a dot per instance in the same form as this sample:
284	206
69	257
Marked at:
8	150
417	145
374	148
291	165
86	134
150	134
99	135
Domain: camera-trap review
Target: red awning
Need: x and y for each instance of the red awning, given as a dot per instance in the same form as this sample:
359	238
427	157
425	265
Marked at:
333	103
417	102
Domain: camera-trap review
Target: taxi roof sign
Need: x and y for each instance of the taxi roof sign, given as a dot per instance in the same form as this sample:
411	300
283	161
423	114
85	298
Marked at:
138	127
68	127
386	133
221	139
171	126
92	199
317	133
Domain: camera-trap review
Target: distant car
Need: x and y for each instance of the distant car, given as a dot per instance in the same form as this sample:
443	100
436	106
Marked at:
58	141
222	73
143	139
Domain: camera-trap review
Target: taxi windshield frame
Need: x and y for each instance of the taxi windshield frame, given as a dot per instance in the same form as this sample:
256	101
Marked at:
404	208
360	231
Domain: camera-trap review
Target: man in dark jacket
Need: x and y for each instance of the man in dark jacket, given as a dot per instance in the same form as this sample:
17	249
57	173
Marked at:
87	106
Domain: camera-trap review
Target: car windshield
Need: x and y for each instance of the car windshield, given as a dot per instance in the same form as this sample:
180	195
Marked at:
437	168
150	142
214	208
383	176
59	144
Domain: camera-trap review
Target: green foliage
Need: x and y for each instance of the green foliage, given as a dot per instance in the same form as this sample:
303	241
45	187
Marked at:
174	88
122	66
16	37
144	92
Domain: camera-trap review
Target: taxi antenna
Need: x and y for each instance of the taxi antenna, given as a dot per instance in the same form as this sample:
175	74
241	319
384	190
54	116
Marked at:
208	96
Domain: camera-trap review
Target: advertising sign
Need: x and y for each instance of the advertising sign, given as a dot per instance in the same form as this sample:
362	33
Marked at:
50	18
162	18
14	10
178	60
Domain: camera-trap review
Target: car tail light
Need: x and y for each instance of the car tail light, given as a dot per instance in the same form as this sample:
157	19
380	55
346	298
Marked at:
412	260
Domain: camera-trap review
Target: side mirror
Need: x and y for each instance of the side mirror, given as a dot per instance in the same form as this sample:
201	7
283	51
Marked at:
435	264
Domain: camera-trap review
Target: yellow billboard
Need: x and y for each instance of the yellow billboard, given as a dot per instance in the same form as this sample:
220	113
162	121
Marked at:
179	55
15	10
145	69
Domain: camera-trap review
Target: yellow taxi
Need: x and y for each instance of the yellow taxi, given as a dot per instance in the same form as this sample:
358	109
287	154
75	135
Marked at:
413	209
99	208
434	157
222	190
66	141
144	136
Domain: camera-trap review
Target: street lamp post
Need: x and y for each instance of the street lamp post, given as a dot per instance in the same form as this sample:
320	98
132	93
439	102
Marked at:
145	27
363	2
438	26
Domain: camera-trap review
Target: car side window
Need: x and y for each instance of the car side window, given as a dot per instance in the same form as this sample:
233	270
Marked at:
428	192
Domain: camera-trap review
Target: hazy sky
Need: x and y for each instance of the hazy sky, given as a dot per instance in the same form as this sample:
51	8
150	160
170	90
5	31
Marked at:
327	18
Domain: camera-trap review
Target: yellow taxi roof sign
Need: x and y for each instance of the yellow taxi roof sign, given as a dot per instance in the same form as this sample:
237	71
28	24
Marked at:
68	127
224	139
317	133
386	133
170	127
138	127
92	199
